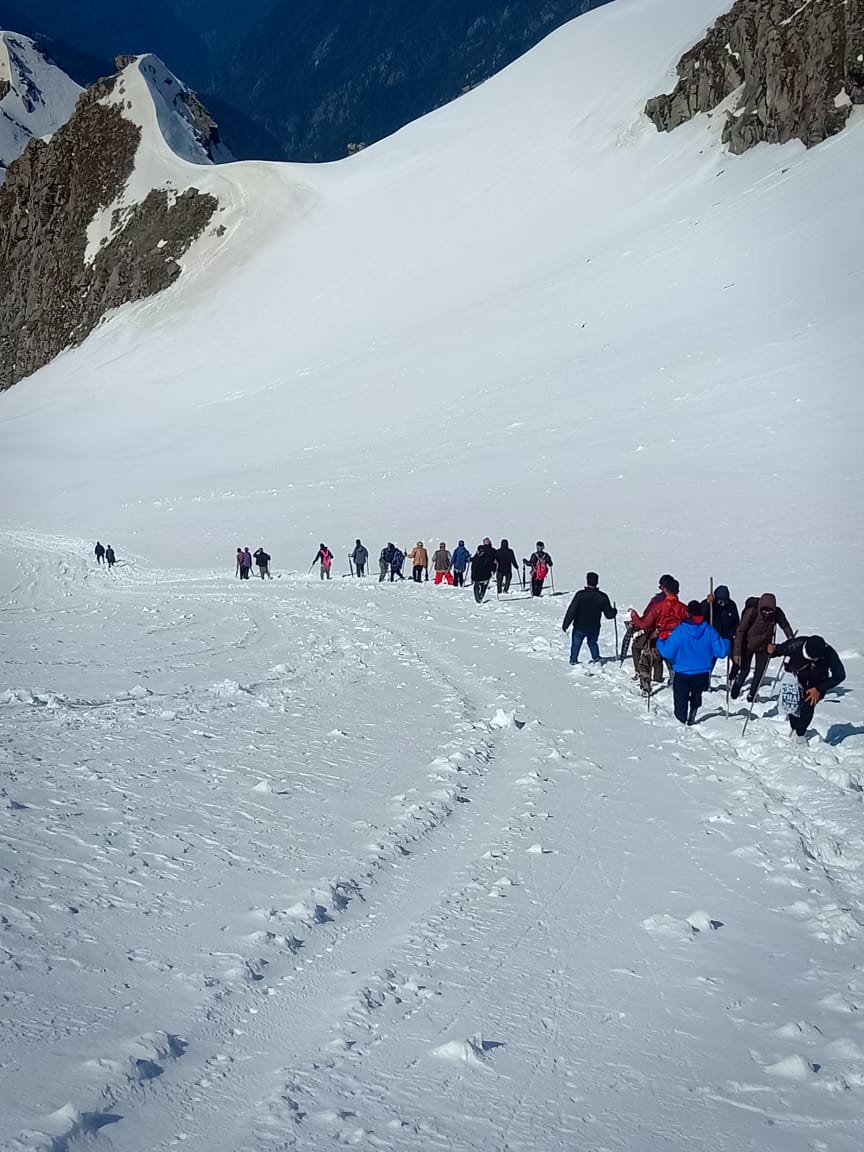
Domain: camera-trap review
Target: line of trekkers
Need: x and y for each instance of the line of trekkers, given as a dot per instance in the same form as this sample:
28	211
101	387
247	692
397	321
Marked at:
452	568
689	638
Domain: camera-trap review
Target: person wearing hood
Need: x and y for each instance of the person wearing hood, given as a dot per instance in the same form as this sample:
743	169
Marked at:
360	557
724	616
419	562
505	563
99	552
442	562
817	668
691	648
482	568
461	558
756	630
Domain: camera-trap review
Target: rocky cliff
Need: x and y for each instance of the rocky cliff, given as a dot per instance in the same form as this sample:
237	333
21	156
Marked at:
794	69
79	236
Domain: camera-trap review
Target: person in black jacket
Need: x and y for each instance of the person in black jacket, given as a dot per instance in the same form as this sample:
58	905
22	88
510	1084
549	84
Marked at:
262	559
584	613
482	567
540	563
99	552
817	668
505	562
110	558
724	616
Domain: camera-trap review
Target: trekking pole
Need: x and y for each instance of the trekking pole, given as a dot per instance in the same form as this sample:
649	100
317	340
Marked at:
711	604
552	580
758	686
728	670
350	564
615	622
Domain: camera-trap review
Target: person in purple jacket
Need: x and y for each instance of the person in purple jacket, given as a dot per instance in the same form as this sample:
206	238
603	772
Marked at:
692	648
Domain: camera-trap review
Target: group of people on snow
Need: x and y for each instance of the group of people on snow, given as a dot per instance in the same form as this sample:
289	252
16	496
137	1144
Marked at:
105	554
688	639
246	559
452	567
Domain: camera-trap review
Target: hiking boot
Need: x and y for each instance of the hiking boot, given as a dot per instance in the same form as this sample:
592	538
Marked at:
691	716
735	690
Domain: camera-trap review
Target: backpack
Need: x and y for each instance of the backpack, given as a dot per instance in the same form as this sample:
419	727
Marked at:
541	569
326	557
398	558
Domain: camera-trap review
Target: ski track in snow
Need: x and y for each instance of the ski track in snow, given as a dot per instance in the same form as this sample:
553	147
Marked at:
294	865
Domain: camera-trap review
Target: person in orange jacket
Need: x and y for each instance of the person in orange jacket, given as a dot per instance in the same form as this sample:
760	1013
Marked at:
661	618
419	562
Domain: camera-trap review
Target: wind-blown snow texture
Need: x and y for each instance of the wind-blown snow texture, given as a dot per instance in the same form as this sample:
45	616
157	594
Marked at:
304	864
39	98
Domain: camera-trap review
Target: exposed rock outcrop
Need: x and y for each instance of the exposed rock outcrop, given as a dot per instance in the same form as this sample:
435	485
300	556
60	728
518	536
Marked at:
58	284
796	68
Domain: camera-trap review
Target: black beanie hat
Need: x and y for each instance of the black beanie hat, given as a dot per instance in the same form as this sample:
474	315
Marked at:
814	647
694	608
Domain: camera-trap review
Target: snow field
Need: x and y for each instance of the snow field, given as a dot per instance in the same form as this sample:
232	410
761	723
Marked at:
409	883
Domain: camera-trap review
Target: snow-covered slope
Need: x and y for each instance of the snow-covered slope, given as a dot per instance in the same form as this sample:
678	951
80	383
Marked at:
310	865
36	96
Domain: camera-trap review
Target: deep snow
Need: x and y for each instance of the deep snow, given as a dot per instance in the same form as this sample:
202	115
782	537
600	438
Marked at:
283	868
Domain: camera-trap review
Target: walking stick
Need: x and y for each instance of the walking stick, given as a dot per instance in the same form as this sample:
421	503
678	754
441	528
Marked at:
552	580
615	622
711	605
727	687
758	685
350	564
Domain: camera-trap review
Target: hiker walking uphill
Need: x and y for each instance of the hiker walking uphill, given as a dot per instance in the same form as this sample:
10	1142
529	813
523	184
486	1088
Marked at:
663	614
540	563
692	648
384	561
324	558
505	564
419	562
262	559
586	609
759	623
814	668
442	562
721	612
461	560
397	559
482	567
359	558
110	558
99	553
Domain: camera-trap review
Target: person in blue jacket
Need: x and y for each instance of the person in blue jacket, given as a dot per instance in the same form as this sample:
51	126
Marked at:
692	649
461	557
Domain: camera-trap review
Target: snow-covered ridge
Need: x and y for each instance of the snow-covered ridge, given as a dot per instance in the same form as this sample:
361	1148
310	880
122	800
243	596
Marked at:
36	96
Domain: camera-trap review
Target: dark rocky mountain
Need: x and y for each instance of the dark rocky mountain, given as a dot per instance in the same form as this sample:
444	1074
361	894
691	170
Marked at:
58	282
301	79
796	67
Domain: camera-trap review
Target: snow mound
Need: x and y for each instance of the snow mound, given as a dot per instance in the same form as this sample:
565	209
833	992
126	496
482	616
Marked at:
40	96
468	1051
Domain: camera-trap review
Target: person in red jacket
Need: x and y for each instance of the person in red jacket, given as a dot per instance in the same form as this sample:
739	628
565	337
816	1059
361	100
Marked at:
661	618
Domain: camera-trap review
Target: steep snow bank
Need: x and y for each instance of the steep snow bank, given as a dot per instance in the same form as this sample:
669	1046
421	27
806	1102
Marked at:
36	96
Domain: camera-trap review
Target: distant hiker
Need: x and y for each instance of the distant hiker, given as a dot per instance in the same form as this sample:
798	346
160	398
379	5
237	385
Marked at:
584	613
725	616
110	558
100	552
482	567
245	563
816	669
324	558
262	559
540	563
442	562
396	561
384	559
419	562
692	648
360	557
663	614
239	571
505	563
756	630
461	559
